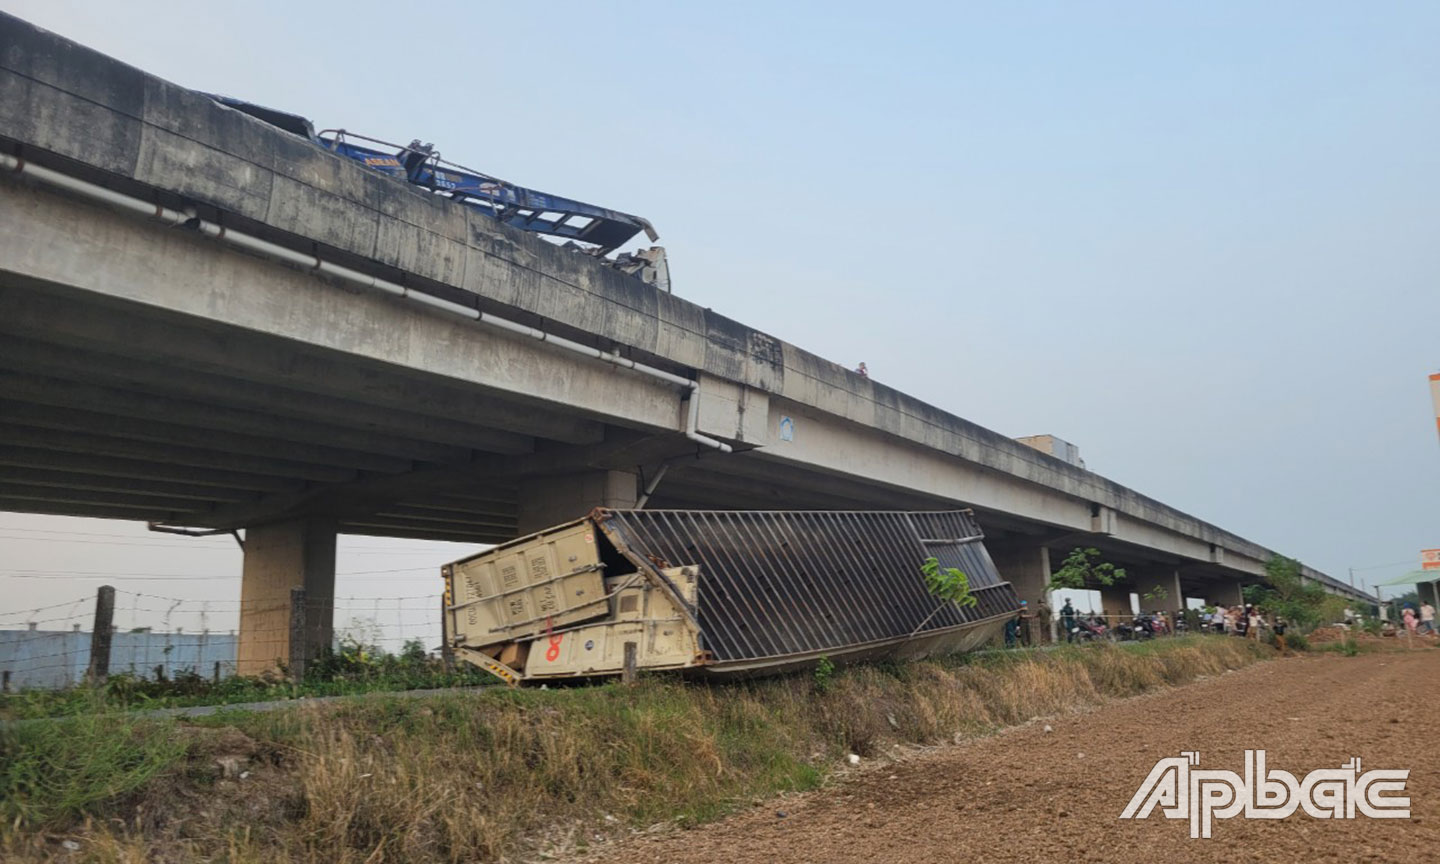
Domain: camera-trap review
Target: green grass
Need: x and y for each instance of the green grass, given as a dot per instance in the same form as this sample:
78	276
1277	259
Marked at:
488	774
55	771
125	692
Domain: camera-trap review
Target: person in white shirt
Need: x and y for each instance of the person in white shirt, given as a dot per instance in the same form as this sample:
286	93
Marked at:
1427	617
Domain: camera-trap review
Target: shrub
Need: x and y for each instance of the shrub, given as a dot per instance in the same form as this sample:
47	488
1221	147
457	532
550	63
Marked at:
824	674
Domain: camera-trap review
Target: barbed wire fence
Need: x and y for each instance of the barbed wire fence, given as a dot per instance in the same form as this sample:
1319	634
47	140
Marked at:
153	635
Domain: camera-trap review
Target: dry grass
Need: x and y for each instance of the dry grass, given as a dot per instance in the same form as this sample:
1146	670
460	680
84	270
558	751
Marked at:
507	774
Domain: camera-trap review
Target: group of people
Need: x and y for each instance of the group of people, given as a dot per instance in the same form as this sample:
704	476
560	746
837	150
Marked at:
1247	621
1421	622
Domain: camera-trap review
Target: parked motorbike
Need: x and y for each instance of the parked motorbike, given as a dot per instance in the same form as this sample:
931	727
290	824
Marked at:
1092	629
1150	626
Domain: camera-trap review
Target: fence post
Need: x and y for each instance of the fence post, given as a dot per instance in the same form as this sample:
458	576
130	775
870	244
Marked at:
5	681
100	635
216	678
628	675
298	649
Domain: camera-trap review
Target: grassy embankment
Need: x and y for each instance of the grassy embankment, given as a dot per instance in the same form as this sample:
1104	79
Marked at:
483	775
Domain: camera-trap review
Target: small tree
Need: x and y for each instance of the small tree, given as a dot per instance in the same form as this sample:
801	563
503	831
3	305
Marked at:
948	583
1289	594
1083	568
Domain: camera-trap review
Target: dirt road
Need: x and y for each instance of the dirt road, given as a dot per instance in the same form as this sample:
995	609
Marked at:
1030	796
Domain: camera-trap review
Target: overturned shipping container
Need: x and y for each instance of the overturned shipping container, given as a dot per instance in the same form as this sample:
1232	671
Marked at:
720	592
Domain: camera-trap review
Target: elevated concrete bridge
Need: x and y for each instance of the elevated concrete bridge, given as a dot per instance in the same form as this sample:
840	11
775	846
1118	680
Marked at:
208	322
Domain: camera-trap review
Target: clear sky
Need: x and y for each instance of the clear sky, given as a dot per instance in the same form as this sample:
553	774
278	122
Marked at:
1196	239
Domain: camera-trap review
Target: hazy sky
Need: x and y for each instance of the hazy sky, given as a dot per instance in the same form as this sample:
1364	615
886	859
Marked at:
1197	240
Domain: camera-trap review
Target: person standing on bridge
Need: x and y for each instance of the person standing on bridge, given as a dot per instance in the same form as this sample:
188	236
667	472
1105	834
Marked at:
1067	620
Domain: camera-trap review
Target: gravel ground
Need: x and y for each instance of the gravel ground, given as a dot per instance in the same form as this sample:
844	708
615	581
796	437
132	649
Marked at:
1032	796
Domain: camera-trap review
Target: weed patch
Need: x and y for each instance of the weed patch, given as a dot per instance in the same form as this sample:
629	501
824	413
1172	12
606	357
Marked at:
492	774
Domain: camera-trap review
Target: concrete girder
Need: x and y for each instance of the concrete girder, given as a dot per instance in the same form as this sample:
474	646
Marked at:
198	457
257	408
112	510
66	480
425	515
769	488
364	496
316	430
64	318
477	510
496	503
170	432
215	285
139	469
372	527
56	495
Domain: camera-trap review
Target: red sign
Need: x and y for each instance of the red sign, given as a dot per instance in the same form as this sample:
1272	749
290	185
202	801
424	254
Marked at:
1430	559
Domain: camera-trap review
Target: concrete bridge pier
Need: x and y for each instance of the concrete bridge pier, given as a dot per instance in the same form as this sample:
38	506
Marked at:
1163	583
279	557
1115	603
1225	594
1027	568
551	500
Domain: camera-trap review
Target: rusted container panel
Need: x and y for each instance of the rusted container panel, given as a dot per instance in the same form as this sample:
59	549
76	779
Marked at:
794	583
523	588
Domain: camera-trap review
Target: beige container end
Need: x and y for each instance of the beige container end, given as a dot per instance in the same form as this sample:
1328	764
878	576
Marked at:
643	614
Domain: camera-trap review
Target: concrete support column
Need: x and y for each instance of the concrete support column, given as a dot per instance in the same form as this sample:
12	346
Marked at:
1159	581
1225	594
1115	603
1027	569
279	557
547	501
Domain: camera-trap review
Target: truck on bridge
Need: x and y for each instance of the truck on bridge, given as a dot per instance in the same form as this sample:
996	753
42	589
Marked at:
587	228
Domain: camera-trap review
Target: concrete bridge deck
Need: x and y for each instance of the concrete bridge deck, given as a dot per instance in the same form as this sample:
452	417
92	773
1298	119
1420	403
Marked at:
149	370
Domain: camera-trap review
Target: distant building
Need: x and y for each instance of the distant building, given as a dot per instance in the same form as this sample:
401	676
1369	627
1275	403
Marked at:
1059	448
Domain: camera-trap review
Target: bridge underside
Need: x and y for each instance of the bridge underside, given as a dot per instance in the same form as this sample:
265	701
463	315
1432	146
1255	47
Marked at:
119	410
148	375
114	409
